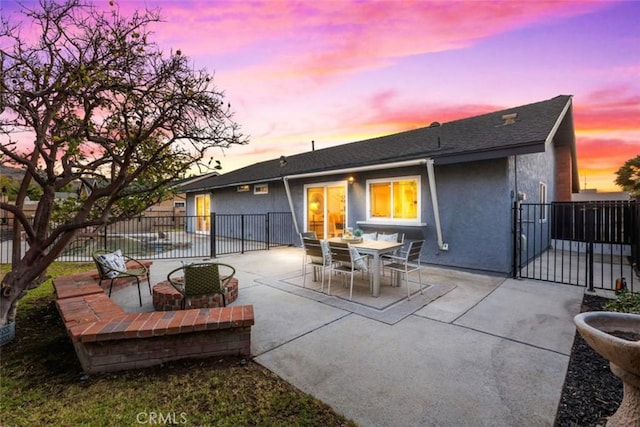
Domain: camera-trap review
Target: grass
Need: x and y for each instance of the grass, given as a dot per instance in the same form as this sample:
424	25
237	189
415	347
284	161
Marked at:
41	383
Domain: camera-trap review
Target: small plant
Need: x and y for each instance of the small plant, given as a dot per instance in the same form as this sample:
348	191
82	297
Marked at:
625	302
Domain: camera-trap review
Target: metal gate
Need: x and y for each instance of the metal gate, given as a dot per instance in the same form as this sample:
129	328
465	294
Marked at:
591	244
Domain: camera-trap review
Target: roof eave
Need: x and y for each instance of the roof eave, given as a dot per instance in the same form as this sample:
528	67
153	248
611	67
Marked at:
231	184
532	147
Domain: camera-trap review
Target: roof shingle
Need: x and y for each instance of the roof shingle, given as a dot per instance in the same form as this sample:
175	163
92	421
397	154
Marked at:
485	136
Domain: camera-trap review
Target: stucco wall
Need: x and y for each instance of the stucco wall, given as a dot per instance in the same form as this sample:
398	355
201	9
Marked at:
526	174
474	204
230	201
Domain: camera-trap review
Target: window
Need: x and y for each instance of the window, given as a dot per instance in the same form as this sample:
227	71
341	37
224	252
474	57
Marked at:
394	199
261	189
542	197
242	188
178	204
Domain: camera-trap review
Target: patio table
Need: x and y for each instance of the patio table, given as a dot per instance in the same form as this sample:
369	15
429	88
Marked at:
374	248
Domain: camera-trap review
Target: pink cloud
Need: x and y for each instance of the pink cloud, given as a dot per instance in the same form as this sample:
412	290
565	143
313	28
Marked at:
335	37
605	154
610	108
387	112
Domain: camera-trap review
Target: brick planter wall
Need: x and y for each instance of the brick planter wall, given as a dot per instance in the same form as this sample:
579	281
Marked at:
140	340
106	338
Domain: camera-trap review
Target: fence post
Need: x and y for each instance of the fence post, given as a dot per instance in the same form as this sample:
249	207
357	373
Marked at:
212	236
590	224
104	236
517	242
266	230
242	233
514	241
635	236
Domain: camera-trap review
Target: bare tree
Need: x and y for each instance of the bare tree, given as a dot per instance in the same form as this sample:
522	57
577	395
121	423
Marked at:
90	98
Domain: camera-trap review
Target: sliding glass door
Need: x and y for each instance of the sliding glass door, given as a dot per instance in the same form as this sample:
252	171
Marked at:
326	209
203	213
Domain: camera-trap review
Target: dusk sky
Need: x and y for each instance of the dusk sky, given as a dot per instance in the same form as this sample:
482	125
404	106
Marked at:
337	71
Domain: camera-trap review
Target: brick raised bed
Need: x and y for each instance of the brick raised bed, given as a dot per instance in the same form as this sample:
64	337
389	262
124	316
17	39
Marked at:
167	298
106	338
87	283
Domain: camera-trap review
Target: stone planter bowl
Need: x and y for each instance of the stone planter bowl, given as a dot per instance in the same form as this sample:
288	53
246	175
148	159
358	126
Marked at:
616	337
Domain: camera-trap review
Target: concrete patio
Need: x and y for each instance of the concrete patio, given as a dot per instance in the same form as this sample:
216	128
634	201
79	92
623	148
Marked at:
474	350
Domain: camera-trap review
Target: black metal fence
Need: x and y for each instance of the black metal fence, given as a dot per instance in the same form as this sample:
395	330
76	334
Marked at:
635	244
250	232
592	244
167	237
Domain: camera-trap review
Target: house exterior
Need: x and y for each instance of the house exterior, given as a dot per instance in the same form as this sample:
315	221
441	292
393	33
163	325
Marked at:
452	184
590	195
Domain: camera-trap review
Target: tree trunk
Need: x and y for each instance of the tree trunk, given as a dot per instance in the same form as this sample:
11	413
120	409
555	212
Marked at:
28	272
12	290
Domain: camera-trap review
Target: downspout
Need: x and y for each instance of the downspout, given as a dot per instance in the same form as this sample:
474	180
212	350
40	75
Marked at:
434	201
293	214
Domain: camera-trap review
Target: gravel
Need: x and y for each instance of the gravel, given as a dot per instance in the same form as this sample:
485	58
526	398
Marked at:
591	393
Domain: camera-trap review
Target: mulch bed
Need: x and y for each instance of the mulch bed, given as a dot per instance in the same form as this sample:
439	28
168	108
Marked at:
591	393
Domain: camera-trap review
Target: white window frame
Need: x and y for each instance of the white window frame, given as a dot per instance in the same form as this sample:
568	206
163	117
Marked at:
179	204
378	220
543	200
261	189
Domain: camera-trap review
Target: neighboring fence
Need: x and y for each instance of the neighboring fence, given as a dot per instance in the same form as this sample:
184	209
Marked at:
6	235
590	244
166	237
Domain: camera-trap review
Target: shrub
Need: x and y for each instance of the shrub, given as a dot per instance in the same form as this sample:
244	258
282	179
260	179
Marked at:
625	302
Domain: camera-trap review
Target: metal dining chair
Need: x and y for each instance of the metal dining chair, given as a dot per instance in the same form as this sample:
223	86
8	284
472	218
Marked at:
347	260
392	237
407	262
316	254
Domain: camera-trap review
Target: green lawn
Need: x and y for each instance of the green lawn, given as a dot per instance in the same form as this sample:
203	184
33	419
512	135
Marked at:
41	383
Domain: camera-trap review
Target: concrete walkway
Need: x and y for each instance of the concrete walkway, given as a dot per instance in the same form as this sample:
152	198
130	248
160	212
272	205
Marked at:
483	351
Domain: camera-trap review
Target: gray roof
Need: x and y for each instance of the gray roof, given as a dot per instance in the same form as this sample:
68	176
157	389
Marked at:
475	138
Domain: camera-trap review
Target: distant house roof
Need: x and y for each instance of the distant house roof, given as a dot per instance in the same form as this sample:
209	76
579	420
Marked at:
181	183
518	130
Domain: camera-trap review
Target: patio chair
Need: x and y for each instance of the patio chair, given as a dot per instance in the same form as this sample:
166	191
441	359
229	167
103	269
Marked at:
406	262
392	237
201	279
308	235
113	265
370	236
347	260
316	254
